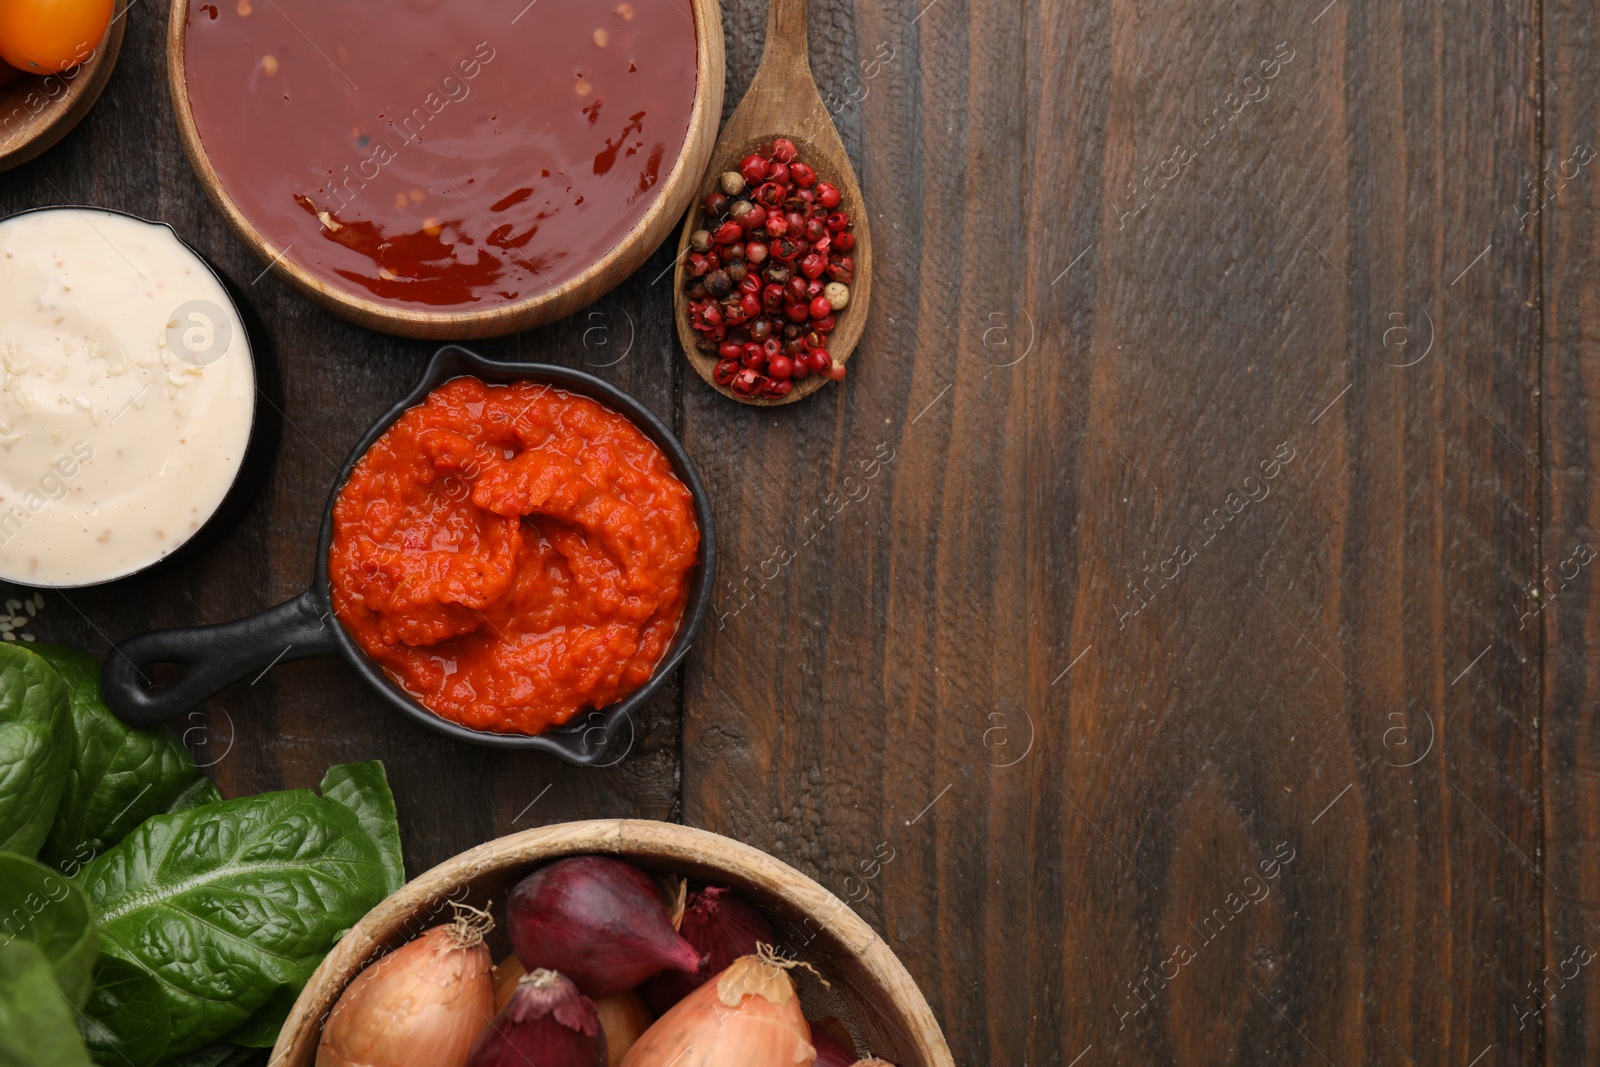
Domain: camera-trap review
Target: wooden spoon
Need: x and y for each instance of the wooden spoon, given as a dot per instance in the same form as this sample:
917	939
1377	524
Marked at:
36	112
783	102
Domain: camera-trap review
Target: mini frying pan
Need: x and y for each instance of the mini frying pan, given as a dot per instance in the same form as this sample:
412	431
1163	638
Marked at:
215	657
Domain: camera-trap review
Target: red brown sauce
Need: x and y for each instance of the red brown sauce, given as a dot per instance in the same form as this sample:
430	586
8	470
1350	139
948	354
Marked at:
443	156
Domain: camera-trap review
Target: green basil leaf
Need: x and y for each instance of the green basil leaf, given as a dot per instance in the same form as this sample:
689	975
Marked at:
196	793
261	1029
40	906
35	746
36	1028
364	789
118	775
126	1019
230	904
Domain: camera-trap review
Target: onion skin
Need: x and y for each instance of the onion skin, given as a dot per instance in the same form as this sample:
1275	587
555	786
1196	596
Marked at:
724	926
548	1023
419	1006
624	1018
599	921
748	1016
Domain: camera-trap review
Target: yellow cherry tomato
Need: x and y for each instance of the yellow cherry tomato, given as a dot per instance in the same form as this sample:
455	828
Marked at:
46	36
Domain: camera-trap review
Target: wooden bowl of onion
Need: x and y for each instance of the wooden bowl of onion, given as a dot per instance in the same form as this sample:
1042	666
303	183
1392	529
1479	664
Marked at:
611	943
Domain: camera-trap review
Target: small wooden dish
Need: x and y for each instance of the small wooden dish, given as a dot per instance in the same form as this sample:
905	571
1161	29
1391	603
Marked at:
890	1014
36	112
600	278
783	101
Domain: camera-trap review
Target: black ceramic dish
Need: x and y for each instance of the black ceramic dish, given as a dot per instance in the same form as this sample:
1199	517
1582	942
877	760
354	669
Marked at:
265	428
215	657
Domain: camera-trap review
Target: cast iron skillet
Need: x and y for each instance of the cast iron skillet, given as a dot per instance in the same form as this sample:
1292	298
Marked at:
215	657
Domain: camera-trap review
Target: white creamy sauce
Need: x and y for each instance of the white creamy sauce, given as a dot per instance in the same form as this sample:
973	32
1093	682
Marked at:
126	395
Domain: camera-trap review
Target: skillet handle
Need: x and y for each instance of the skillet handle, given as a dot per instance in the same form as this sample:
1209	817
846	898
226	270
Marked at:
214	657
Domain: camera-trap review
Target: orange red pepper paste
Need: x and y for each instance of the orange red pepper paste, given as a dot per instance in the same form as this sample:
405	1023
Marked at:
512	555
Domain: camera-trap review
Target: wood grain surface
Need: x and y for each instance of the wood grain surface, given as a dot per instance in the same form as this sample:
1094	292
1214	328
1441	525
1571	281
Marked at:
1144	639
1568	608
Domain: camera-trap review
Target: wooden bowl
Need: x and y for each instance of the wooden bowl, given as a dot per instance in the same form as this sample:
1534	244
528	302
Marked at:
889	1014
600	278
37	112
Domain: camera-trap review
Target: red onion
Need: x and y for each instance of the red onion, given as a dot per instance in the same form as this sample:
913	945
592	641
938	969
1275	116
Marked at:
831	1051
548	1023
599	921
722	925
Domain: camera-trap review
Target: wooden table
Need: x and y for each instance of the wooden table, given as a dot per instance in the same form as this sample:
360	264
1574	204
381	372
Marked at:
1177	636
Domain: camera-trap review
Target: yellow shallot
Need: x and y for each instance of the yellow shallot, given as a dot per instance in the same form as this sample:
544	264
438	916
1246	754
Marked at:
748	1016
624	1018
419	1006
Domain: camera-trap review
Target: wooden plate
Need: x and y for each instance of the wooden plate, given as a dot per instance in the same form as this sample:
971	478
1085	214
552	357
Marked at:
600	278
889	1013
37	112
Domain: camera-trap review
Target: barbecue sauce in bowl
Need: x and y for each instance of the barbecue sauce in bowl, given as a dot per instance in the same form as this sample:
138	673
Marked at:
441	156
